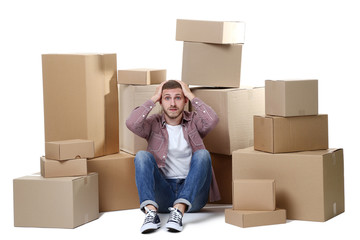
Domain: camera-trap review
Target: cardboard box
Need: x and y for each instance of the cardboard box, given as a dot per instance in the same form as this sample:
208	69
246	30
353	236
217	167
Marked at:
67	168
132	96
235	109
210	31
211	65
65	202
254	194
291	134
81	99
309	185
117	187
223	172
143	76
254	218
289	98
69	149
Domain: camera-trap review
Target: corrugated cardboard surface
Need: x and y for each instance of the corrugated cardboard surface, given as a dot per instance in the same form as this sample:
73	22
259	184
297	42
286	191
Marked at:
290	134
309	185
222	166
210	31
254	194
291	97
117	187
142	76
254	218
81	99
66	168
212	65
69	149
235	109
65	202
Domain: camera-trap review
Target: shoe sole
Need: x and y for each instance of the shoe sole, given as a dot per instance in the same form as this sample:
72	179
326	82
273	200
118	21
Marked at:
174	227
148	228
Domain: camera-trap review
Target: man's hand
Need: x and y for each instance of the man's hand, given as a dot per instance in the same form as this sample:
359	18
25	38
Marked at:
186	90
158	91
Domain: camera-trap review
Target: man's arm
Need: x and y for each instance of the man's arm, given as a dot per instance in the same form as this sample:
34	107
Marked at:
138	122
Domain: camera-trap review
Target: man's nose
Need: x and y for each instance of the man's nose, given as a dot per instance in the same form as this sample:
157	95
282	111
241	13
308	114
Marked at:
172	102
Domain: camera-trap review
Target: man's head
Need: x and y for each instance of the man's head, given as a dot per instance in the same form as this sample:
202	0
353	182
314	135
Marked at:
172	99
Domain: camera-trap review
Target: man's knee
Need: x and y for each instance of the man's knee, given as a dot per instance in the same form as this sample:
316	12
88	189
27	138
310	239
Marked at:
143	159
203	158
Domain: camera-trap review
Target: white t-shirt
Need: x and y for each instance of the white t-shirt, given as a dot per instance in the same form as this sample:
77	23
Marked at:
178	159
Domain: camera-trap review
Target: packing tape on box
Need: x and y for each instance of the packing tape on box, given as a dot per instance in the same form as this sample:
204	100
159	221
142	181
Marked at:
250	94
333	156
334	208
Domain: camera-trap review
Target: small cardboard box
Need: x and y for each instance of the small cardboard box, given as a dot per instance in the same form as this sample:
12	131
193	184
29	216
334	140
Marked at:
221	32
81	99
235	108
309	185
142	76
69	149
67	168
254	194
132	96
211	65
65	202
245	219
289	98
223	173
279	134
117	187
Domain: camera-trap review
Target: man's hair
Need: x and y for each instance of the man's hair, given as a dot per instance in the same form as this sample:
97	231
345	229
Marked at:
171	84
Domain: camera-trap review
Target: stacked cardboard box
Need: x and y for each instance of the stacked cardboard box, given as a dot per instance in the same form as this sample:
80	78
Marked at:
65	195
291	147
212	62
254	204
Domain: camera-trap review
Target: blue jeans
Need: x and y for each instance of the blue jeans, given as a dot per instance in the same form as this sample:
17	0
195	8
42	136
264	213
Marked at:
155	189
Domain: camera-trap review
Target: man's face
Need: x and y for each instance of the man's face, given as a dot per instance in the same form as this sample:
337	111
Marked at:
173	102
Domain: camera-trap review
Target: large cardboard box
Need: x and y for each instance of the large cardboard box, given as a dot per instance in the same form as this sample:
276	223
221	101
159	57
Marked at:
81	99
69	149
243	218
65	202
132	96
67	168
222	32
309	185
254	194
223	172
235	109
291	97
142	76
211	65
290	134
117	187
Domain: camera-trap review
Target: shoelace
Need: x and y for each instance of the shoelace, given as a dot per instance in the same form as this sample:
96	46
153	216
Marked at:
175	215
150	215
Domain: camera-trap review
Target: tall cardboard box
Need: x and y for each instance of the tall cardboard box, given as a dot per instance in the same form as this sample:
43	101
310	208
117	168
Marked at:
247	218
81	99
211	65
222	166
117	187
279	134
288	98
235	109
309	185
65	202
220	32
142	76
132	96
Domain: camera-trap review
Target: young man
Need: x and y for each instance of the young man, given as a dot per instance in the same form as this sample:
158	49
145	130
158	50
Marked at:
175	172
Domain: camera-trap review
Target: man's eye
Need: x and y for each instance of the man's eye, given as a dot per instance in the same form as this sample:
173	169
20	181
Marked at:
178	98
167	98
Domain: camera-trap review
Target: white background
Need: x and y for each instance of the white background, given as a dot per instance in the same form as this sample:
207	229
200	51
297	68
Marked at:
284	40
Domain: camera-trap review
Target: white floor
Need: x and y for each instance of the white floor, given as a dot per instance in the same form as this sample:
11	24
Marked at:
207	224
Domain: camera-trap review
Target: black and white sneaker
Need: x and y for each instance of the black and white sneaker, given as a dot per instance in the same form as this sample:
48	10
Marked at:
151	222
174	224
